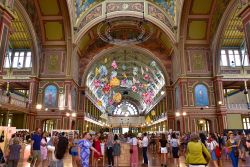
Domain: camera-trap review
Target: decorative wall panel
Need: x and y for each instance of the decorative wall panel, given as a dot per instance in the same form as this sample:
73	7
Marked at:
125	6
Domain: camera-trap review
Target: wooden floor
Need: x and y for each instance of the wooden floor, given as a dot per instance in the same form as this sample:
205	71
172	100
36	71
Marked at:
154	160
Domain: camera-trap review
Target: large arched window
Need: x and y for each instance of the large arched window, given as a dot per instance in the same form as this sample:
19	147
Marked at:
50	96
201	95
125	109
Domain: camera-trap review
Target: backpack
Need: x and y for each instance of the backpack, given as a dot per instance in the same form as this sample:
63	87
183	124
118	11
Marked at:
217	152
61	148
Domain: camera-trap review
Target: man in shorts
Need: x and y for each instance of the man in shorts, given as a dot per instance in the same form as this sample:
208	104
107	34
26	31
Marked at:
35	146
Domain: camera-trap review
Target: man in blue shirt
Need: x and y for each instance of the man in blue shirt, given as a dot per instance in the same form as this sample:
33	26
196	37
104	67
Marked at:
35	146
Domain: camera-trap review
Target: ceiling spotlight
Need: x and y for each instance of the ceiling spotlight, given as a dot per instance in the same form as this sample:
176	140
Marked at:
162	92
73	114
184	113
177	114
46	109
67	114
220	102
38	106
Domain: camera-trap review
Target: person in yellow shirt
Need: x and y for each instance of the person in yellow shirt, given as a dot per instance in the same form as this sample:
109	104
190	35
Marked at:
197	153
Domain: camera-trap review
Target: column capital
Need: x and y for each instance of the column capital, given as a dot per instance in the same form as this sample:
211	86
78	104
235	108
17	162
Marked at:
217	78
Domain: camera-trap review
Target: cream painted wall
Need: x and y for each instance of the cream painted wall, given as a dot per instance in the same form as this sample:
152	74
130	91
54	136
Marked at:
234	121
126	121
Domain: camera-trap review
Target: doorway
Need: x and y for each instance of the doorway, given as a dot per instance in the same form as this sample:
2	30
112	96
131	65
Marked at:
203	125
48	125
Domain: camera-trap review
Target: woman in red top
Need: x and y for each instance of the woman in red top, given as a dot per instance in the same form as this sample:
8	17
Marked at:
97	146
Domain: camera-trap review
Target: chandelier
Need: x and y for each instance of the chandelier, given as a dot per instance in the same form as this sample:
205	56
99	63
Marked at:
124	31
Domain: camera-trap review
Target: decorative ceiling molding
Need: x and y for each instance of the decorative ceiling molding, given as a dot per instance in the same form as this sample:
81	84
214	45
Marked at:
111	9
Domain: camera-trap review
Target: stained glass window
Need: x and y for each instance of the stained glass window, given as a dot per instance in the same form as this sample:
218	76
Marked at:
201	95
50	96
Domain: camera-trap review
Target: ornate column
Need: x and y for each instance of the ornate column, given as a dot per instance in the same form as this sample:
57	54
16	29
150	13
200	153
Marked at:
33	91
245	15
220	103
6	17
170	107
81	109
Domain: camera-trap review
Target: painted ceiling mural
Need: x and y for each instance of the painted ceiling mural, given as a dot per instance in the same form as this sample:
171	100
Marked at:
168	5
125	75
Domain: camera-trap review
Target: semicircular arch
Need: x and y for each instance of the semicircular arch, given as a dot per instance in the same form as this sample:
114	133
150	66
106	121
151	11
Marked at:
34	38
158	18
136	48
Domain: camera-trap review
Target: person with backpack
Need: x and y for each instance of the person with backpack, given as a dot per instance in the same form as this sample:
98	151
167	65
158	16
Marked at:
35	146
14	154
61	146
174	143
84	147
54	161
74	150
212	146
243	147
232	146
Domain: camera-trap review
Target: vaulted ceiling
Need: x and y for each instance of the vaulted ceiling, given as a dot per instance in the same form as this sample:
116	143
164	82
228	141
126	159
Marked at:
233	34
49	18
20	37
159	44
201	19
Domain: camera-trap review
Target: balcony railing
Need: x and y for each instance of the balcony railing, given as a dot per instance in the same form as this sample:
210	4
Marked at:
237	106
14	100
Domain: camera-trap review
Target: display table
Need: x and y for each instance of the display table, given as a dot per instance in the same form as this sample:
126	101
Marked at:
124	158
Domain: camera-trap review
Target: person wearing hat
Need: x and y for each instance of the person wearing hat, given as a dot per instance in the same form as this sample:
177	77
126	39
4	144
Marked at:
232	146
14	154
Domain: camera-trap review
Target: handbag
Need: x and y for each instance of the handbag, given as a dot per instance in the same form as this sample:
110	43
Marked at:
217	152
70	148
236	152
131	150
30	159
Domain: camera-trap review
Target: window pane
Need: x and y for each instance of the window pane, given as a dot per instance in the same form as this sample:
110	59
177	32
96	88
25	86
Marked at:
237	60
224	60
27	62
7	62
15	60
244	126
245	60
236	52
230	52
20	62
223	52
231	60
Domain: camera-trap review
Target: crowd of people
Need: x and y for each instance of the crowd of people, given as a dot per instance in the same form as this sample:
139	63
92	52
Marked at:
198	149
